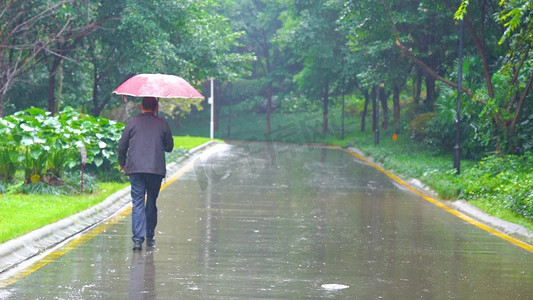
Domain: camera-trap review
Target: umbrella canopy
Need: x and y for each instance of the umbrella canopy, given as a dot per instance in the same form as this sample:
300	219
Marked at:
159	86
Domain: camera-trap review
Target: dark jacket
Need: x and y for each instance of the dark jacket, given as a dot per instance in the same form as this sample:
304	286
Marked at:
143	143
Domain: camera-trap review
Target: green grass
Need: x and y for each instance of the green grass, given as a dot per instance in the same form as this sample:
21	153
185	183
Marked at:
189	142
20	214
498	210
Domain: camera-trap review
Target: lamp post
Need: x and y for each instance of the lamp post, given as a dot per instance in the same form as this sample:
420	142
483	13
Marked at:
212	102
457	148
342	113
376	113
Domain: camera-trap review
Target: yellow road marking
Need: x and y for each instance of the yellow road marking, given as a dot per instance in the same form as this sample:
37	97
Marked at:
85	237
452	211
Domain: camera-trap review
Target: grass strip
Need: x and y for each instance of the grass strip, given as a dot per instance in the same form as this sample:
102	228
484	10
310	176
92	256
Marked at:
20	214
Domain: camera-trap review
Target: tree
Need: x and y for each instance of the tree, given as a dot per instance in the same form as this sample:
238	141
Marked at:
152	39
376	61
259	19
311	31
23	37
75	22
508	88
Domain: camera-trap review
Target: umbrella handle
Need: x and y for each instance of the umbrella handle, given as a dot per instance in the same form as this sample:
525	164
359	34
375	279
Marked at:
123	99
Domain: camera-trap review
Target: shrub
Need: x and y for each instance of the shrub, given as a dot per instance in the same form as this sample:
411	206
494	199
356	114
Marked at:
43	146
8	163
418	126
505	179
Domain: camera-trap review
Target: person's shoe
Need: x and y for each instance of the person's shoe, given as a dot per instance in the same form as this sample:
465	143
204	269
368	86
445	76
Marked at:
150	242
137	246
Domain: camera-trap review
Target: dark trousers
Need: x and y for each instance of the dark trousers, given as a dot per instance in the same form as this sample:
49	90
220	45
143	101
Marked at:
144	215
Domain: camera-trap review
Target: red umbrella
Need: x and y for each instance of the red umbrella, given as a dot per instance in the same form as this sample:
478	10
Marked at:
159	86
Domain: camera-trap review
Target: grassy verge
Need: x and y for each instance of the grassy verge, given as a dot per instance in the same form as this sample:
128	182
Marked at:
189	142
20	214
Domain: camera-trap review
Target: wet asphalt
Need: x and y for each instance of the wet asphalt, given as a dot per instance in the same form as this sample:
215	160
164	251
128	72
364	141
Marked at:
277	221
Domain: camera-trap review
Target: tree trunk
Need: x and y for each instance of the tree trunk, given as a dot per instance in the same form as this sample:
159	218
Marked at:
59	86
396	108
374	95
229	121
325	114
268	113
430	92
96	106
2	104
383	99
409	54
177	122
365	110
480	45
418	87
52	71
217	106
510	125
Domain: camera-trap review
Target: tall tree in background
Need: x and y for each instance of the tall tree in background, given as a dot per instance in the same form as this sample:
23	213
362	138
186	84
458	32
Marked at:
379	63
311	30
99	44
508	85
188	39
75	22
106	54
259	19
24	34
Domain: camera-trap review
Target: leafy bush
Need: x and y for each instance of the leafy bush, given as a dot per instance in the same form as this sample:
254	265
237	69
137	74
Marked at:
71	184
505	179
294	103
438	129
8	163
44	145
418	126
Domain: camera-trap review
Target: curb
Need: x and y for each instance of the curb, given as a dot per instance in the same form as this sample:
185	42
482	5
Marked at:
515	230
506	227
16	251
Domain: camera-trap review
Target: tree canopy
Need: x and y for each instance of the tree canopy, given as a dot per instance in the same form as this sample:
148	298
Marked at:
62	52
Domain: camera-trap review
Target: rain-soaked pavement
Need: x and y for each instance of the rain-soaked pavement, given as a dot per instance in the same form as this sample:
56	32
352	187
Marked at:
274	221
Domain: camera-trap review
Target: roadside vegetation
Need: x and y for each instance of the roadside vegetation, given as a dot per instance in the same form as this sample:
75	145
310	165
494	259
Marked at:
38	188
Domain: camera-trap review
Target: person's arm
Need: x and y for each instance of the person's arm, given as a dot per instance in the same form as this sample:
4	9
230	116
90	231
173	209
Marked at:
123	145
169	141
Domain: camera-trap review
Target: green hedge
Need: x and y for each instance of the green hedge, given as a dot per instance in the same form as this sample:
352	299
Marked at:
42	146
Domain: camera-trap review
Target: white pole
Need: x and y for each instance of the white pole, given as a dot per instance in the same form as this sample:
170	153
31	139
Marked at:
212	102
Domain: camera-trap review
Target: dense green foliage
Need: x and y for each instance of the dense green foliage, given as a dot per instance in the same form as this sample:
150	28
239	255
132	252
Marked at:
76	52
42	146
504	181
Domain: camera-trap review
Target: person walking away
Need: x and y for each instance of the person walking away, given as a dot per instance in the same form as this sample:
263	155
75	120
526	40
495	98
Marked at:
141	155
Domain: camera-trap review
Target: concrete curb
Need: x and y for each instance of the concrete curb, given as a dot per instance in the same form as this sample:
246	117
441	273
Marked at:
517	231
18	250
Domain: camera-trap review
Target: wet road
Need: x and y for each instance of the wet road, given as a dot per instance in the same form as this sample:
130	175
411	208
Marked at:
276	221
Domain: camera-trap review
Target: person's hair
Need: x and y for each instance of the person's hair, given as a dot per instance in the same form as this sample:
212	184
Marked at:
149	103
